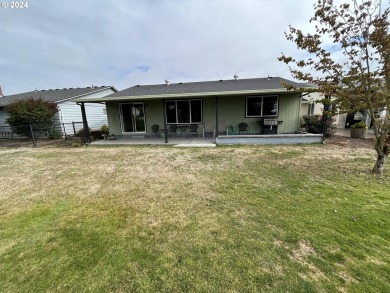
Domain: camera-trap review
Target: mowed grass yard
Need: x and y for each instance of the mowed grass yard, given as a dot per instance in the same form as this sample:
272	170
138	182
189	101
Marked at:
163	219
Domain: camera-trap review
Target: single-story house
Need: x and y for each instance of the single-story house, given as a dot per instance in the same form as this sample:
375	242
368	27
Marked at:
69	115
254	106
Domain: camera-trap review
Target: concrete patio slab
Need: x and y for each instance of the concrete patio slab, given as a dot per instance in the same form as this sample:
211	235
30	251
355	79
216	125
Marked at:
203	145
181	141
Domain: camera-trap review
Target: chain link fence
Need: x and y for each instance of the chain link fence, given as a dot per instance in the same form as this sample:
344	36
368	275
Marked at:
35	133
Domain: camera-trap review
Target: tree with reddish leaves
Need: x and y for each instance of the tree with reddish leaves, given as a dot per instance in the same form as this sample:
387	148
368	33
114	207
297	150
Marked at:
355	68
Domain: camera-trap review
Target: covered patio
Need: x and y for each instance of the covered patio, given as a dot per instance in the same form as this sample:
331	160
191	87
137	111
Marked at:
238	111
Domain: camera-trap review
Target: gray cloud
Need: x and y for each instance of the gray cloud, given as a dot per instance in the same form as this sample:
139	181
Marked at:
57	44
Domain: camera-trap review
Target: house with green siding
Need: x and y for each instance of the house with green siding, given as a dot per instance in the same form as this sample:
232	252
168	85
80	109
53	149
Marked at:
262	105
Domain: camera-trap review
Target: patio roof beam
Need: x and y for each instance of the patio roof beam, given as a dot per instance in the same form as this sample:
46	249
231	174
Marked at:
182	95
85	124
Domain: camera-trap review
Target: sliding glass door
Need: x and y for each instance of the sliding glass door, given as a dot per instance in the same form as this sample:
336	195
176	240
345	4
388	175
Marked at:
133	117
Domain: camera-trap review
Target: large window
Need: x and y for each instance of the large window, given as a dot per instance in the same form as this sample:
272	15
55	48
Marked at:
184	111
261	106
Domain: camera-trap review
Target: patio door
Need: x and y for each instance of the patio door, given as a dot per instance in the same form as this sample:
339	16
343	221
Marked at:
133	117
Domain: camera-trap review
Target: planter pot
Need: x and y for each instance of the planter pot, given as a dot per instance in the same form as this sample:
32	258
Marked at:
358	132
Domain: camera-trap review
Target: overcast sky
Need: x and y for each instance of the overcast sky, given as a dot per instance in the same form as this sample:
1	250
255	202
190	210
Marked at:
69	43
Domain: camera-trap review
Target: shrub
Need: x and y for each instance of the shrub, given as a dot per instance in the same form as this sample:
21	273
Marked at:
80	132
23	113
104	129
313	124
96	134
53	133
360	124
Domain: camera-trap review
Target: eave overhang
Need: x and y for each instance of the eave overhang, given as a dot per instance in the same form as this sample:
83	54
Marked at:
183	95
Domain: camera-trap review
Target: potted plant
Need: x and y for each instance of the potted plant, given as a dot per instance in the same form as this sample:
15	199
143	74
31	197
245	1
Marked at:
359	130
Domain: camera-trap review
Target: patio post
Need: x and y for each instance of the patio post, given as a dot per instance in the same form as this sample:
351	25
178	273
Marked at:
85	124
216	116
165	123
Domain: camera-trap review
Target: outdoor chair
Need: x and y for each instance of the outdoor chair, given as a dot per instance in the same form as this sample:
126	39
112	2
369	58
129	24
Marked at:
222	128
193	130
173	130
243	127
208	129
154	130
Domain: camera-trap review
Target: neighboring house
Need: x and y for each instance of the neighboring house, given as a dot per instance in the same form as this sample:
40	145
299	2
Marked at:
68	111
310	107
262	103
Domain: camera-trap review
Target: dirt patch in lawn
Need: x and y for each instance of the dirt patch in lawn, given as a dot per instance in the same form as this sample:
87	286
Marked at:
350	142
40	142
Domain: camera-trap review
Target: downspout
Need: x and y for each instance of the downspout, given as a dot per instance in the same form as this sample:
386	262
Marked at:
62	123
61	115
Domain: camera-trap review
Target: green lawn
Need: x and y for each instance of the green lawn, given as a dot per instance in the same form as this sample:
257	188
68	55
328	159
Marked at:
163	219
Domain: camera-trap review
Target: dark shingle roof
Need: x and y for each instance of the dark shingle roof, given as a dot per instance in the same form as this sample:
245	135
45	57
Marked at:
53	95
273	83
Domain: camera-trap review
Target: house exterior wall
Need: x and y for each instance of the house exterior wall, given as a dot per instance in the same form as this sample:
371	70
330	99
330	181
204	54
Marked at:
3	116
114	118
154	113
69	112
311	100
231	111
